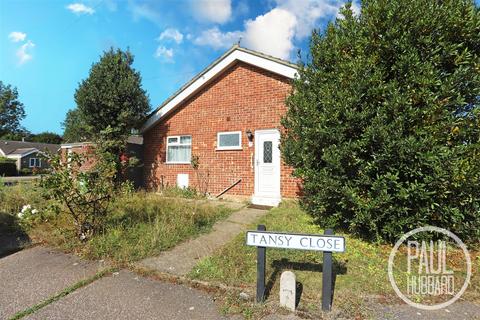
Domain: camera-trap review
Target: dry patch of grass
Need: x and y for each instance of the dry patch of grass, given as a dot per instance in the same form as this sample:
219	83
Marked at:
361	271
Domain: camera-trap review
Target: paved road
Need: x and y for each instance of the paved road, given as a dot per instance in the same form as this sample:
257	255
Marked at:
460	310
129	296
30	276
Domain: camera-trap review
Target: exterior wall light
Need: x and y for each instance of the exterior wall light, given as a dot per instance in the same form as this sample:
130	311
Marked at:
249	137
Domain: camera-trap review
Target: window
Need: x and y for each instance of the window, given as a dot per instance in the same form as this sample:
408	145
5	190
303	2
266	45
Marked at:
267	152
179	149
229	140
35	163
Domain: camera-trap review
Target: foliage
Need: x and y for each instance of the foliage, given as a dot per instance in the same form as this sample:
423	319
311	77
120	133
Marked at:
139	225
383	123
8	167
361	270
203	175
22	205
17	135
11	109
85	192
46	137
188	192
112	96
75	128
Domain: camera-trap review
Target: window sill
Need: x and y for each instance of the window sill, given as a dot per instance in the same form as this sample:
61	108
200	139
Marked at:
177	162
228	149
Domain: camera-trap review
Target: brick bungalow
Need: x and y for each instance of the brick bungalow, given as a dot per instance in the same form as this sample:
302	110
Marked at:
227	120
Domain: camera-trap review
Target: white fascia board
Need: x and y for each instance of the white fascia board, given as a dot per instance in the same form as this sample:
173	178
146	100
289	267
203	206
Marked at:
13	156
18	156
1	153
263	63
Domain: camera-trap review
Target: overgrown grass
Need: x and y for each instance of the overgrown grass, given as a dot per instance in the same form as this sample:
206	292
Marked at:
361	270
139	225
12	199
188	193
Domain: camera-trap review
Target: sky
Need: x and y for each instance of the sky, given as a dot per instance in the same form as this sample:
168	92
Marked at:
48	46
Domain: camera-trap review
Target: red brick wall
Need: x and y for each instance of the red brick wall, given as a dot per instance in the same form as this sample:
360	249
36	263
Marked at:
85	150
244	97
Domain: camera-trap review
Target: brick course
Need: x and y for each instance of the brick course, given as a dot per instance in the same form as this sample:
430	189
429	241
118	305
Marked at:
242	97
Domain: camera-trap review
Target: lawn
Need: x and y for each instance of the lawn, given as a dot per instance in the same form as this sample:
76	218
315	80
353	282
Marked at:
138	225
361	270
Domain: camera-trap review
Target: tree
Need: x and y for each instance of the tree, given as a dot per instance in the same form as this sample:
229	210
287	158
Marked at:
383	123
47	137
11	110
75	128
112	96
17	135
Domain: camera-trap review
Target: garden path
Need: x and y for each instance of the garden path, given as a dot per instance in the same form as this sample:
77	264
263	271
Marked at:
181	259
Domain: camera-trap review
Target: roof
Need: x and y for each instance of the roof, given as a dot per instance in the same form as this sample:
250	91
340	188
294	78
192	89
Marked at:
234	54
133	139
8	147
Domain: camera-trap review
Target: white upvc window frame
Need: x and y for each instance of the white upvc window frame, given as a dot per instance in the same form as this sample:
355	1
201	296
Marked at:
169	144
35	162
239	147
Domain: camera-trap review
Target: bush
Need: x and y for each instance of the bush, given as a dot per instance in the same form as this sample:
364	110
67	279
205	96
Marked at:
85	193
8	167
383	123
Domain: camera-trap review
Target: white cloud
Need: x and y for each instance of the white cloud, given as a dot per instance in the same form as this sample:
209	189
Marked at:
173	34
17	36
216	39
271	33
276	31
23	53
309	12
144	11
80	8
164	53
217	11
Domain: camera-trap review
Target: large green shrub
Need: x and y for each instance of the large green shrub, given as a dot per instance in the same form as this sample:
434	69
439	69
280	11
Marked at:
383	123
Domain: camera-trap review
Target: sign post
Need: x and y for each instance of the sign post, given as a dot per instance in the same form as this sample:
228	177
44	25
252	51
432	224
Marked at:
328	243
327	279
261	259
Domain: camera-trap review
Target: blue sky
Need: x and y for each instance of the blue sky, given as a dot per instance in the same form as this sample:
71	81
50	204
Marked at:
47	47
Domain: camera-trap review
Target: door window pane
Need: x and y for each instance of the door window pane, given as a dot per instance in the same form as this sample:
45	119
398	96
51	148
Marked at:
267	152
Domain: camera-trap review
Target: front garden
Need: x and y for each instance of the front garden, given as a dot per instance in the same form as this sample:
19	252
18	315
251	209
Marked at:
137	225
361	271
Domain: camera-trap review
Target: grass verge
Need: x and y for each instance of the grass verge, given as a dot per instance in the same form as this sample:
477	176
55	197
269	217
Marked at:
63	293
361	271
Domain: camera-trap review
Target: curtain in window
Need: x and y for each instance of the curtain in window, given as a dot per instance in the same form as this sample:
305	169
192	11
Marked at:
179	153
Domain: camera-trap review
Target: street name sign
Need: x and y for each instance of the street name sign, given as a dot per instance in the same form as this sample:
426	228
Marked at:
295	241
328	243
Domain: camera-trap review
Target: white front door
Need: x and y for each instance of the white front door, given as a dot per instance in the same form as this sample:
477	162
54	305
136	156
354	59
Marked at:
267	168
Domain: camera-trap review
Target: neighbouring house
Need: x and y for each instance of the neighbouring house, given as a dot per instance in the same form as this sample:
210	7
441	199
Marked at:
134	148
221	131
29	156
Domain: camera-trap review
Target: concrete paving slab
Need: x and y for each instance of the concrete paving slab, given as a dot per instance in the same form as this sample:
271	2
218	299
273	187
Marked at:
128	296
33	275
181	259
